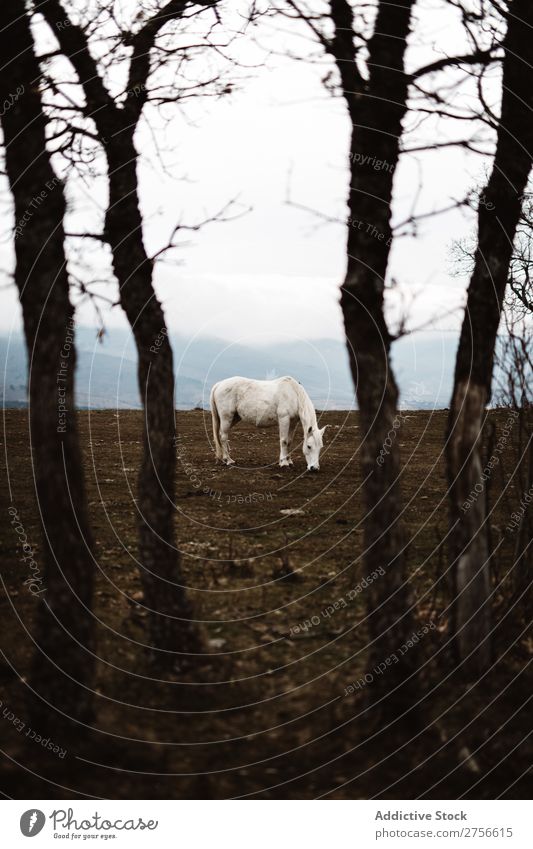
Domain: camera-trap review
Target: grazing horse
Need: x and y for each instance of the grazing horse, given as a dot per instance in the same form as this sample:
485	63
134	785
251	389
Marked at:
264	403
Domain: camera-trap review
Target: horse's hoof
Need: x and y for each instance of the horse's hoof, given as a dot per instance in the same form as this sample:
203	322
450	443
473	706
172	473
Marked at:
229	462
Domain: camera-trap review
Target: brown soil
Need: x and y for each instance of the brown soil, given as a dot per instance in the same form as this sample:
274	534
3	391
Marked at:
264	714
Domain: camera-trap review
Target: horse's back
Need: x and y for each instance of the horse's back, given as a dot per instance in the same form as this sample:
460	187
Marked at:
227	383
229	393
257	401
250	383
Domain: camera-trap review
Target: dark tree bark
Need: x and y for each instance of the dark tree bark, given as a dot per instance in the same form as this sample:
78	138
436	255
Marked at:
171	619
376	109
171	630
498	218
64	631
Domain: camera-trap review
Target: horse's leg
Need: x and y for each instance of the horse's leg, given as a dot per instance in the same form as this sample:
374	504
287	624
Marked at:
225	425
284	425
292	431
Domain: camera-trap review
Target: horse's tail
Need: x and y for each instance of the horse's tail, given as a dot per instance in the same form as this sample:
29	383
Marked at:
216	423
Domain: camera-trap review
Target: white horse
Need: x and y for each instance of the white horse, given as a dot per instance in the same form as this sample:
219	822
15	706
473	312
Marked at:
264	403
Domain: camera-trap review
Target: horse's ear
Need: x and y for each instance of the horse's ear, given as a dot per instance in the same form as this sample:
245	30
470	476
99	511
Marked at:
322	430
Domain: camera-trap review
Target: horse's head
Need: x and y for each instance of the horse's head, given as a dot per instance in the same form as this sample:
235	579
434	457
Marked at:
313	442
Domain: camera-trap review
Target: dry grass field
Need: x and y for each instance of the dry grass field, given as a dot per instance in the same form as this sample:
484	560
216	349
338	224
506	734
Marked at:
265	713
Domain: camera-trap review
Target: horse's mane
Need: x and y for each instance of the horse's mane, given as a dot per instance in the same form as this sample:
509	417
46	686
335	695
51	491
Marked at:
305	406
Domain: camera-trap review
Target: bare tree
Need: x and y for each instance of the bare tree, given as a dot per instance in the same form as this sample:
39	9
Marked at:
368	43
520	295
376	99
63	664
370	76
514	391
498	218
116	119
376	107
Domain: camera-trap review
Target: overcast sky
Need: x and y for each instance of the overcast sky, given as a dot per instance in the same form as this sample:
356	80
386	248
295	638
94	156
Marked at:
278	268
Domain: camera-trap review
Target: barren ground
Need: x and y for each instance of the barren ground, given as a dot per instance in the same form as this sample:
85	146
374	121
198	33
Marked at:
265	714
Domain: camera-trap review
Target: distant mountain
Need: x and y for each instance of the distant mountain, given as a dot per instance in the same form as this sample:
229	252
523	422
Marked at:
107	371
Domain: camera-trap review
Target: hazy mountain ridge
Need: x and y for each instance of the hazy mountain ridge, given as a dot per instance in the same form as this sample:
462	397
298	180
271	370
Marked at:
107	370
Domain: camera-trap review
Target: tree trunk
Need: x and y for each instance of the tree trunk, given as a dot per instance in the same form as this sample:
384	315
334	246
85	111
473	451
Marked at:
63	665
498	217
376	110
171	630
